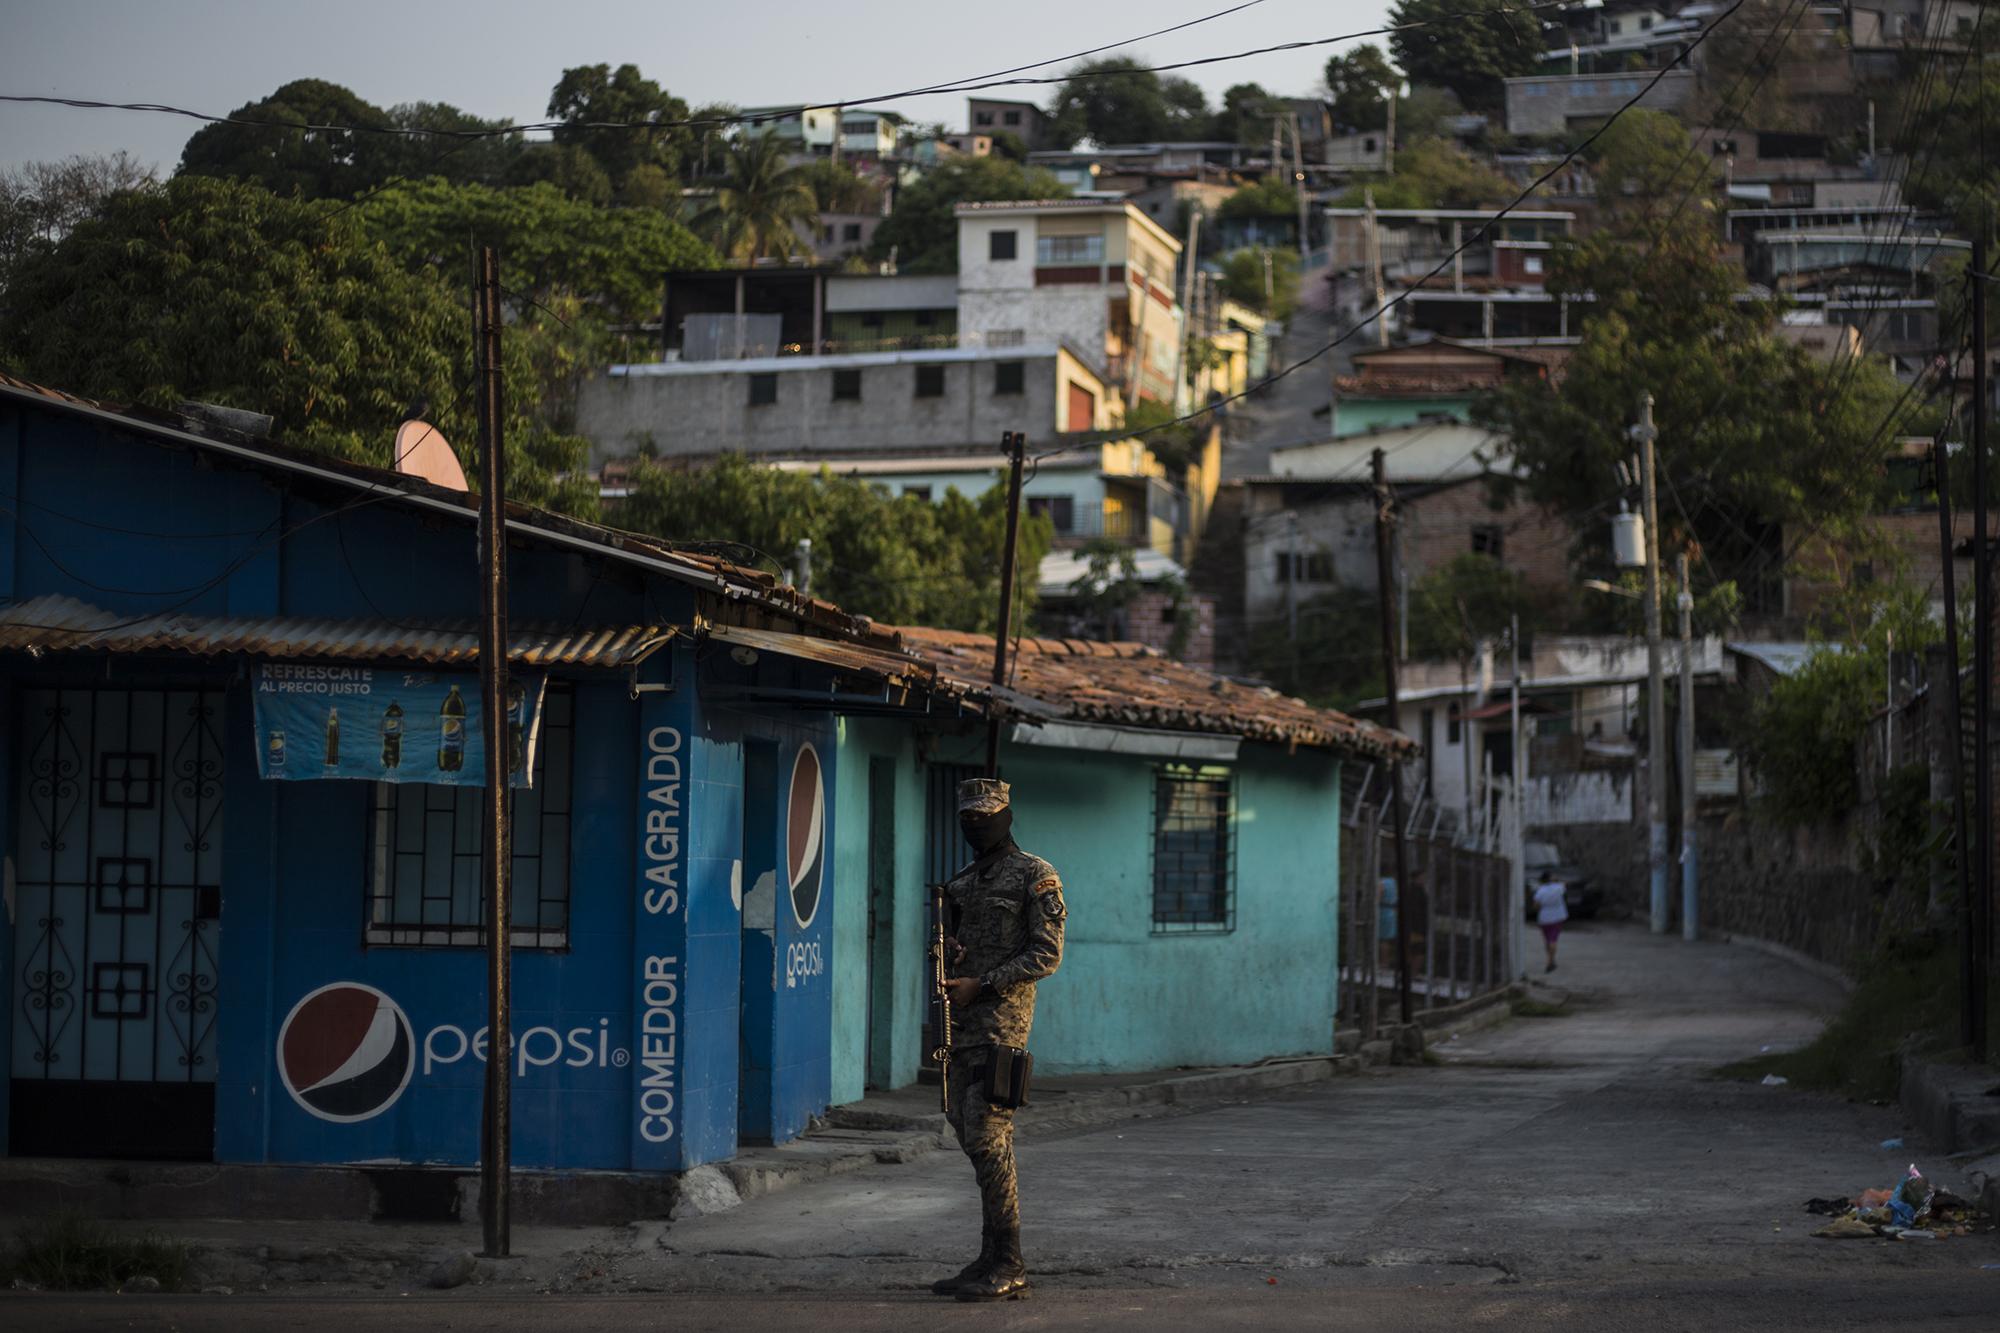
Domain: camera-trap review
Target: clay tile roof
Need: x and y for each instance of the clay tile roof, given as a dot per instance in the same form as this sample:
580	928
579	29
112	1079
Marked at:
1130	684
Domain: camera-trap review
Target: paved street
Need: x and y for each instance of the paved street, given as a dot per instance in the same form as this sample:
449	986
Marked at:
1573	1170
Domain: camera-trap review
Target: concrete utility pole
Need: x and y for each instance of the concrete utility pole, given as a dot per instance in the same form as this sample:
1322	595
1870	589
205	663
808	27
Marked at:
1187	306
1656	704
496	1159
1374	243
1299	183
1384	517
1690	902
1389	142
1517	883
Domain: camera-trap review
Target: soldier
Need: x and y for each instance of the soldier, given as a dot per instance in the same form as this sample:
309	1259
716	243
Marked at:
1005	922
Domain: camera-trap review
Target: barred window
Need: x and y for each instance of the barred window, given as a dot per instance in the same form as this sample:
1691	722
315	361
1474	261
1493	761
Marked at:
1194	854
1069	249
425	881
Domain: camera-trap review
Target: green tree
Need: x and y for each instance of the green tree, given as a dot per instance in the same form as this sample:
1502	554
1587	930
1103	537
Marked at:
1469	600
551	246
1360	83
1434	173
597	93
922	230
1468	46
1244	117
567	167
1799	739
41	201
1271	197
1948	134
221	291
760	202
482	161
1648	177
1115	100
711	139
293	148
1754	436
899	559
839	188
1264	279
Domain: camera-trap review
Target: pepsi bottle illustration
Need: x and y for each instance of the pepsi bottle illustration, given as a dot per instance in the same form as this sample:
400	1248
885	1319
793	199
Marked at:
333	738
274	753
451	733
392	736
517	703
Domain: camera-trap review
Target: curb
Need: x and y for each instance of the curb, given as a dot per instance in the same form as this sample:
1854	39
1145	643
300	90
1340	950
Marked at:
857	1137
1822	970
1951	1103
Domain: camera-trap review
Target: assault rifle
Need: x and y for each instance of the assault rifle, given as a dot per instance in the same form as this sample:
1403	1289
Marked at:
940	971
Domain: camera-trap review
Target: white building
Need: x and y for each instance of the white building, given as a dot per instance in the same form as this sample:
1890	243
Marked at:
1096	275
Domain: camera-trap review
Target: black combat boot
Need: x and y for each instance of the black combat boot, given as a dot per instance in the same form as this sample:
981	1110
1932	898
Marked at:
949	1286
1006	1279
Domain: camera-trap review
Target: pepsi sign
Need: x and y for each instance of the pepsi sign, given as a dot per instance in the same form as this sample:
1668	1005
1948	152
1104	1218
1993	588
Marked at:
346	1052
805	834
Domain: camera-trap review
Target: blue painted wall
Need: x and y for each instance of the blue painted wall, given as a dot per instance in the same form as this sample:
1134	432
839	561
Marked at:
133	527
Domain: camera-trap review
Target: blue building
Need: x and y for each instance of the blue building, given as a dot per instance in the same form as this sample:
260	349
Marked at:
242	853
207	958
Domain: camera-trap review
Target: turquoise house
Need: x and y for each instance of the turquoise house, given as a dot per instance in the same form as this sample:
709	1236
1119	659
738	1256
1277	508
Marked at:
1195	822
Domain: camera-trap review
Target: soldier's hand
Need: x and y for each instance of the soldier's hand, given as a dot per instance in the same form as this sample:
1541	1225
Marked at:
963	990
954	952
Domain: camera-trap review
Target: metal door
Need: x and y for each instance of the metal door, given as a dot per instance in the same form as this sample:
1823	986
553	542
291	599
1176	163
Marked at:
118	886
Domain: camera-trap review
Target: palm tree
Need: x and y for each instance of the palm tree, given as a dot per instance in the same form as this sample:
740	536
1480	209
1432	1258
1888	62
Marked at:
757	201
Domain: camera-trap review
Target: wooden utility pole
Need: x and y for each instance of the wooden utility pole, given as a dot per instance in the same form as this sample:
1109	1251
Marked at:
1015	444
1385	583
1955	737
1982	671
1187	306
1373	242
496	1148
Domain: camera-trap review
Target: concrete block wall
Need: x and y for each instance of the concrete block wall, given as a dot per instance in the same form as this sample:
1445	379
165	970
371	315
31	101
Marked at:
1798	888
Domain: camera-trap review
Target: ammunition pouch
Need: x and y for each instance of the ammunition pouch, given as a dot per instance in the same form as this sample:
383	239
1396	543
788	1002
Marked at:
1009	1069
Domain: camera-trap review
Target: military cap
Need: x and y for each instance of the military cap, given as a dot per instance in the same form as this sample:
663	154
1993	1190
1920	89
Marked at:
982	796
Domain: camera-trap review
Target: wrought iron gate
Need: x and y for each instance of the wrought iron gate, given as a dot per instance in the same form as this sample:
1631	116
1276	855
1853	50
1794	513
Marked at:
118	884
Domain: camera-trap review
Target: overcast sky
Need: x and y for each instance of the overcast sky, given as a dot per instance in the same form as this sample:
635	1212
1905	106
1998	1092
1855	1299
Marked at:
499	58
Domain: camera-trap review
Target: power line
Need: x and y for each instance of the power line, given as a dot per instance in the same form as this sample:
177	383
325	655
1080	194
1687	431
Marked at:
1455	252
976	83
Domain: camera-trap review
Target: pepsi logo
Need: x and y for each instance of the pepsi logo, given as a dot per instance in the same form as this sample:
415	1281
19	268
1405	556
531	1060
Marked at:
345	1052
805	834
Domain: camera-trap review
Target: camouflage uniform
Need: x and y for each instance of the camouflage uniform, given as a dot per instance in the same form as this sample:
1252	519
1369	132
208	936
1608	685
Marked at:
1006	912
1009	918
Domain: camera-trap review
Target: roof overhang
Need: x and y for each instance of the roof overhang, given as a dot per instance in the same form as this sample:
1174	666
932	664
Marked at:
64	624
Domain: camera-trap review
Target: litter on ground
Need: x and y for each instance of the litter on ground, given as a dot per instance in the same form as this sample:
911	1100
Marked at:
1915	1210
1775	1080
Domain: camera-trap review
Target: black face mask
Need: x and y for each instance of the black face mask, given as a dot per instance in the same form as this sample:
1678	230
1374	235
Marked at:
985	832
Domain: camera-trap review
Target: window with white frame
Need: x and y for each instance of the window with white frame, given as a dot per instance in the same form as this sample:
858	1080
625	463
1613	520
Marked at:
1051	251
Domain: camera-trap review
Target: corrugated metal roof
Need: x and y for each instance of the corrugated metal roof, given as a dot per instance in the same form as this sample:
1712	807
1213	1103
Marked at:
896	668
64	624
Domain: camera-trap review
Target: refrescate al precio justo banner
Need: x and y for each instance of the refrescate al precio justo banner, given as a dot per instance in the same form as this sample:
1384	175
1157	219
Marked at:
382	724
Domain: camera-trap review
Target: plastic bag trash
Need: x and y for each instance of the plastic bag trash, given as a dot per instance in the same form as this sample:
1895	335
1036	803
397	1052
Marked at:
1892	1144
1874	1198
1912	1201
1775	1081
1846	1228
1826	1207
1915	1233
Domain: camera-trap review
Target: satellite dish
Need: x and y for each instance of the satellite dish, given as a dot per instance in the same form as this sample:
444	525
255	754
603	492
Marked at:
421	451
